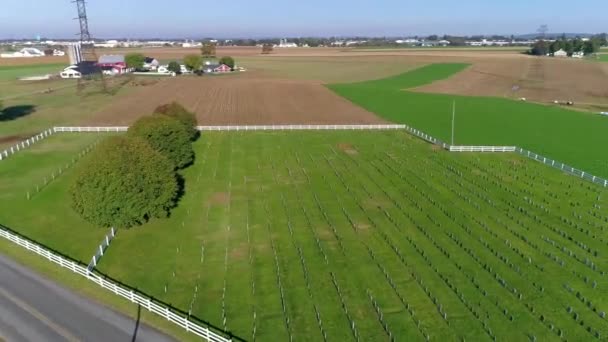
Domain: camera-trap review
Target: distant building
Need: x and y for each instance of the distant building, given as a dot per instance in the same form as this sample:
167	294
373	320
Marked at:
216	68
23	53
107	44
151	63
578	54
285	44
71	72
560	53
75	53
112	63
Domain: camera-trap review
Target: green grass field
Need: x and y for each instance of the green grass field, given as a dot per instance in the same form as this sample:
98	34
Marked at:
16	71
603	57
568	136
303	233
46	216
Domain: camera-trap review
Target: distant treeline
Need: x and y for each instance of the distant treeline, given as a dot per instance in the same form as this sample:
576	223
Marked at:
570	46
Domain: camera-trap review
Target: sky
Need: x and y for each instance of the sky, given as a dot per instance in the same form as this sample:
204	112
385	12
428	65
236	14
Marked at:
297	18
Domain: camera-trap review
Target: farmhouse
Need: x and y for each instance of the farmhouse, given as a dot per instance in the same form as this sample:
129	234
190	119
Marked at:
151	63
216	68
71	72
114	64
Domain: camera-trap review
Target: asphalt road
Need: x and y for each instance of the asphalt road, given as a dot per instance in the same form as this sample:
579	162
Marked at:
33	308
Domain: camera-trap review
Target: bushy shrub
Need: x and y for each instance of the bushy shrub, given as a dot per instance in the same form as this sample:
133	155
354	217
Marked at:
174	67
177	111
123	183
166	135
229	61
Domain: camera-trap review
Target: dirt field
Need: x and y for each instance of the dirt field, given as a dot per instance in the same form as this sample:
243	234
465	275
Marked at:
536	79
239	99
167	53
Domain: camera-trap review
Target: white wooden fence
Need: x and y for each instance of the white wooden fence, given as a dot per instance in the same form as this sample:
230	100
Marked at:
482	148
299	127
101	249
128	294
107	129
25	144
563	167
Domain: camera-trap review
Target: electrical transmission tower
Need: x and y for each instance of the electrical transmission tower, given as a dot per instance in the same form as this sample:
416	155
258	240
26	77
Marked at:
89	56
542	30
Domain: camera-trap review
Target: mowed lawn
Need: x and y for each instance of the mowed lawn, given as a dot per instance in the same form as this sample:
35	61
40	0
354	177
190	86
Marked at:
603	57
373	234
575	138
47	216
12	72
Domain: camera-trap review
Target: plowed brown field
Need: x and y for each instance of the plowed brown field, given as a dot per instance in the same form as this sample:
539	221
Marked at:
239	99
537	79
33	61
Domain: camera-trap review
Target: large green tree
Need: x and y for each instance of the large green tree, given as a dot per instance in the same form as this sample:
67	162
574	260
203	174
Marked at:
177	111
174	67
166	135
539	48
590	47
193	62
135	60
123	183
229	61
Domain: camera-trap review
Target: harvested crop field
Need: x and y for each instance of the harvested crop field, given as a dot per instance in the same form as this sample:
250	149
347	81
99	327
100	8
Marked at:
33	61
242	99
537	79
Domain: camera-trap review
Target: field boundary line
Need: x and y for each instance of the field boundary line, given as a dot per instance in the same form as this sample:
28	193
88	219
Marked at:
129	294
452	148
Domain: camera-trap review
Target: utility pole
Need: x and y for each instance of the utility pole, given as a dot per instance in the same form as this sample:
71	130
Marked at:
87	45
453	120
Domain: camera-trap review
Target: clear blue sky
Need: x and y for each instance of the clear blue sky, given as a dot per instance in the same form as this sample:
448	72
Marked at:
262	18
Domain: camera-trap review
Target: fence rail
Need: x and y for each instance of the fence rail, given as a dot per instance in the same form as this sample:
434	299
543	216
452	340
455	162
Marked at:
482	148
25	144
100	250
298	127
563	167
103	129
130	295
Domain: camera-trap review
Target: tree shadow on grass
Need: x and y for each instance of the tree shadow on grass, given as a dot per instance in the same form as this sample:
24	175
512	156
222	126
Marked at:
16	112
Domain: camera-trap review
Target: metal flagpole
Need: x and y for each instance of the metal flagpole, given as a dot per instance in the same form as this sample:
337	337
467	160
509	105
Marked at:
453	120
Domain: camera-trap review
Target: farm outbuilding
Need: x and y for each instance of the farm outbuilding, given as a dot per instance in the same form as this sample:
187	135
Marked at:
216	68
560	53
112	64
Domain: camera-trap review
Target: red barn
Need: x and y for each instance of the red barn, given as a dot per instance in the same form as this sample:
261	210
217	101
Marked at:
114	63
